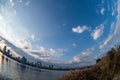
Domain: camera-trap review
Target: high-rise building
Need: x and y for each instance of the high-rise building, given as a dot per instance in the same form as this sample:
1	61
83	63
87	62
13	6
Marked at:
24	59
4	49
8	52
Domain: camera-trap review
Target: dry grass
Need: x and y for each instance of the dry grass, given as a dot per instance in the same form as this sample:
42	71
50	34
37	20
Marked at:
107	69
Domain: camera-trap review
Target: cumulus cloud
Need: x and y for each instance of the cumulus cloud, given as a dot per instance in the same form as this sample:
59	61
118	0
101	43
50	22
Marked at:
82	56
46	54
79	29
42	53
87	52
77	59
24	44
50	52
106	42
97	32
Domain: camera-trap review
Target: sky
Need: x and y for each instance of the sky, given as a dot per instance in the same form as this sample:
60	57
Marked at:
61	31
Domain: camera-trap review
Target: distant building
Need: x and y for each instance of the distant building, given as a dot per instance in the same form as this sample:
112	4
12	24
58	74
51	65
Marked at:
4	49
50	66
38	64
24	59
8	52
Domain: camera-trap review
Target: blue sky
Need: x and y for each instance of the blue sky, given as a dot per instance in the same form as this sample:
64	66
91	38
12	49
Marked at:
61	31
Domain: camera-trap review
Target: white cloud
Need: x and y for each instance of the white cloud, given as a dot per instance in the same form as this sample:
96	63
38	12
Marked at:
11	2
49	55
79	29
82	56
24	44
105	42
42	50
113	12
41	53
97	32
53	52
50	52
87	52
77	59
102	11
114	38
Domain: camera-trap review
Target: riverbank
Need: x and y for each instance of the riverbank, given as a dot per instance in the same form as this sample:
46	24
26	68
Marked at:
107	68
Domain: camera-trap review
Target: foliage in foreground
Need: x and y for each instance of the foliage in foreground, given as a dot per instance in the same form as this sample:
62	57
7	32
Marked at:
108	68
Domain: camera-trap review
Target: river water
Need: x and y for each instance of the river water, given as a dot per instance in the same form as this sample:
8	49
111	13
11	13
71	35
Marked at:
12	70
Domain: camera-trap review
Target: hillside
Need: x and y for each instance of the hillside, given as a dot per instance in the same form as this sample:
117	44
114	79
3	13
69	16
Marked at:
107	68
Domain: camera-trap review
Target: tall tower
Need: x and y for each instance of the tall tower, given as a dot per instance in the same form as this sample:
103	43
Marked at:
4	49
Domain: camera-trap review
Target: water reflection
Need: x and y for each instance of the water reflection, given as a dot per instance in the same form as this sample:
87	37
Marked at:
16	71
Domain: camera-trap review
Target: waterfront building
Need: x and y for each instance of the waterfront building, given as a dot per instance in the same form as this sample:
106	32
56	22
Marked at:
24	59
4	49
8	52
38	64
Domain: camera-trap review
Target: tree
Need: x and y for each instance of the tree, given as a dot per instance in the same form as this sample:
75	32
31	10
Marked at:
98	60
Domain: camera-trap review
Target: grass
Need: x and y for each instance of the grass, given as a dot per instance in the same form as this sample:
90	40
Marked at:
108	68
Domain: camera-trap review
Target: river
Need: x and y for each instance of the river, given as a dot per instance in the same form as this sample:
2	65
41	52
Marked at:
12	70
